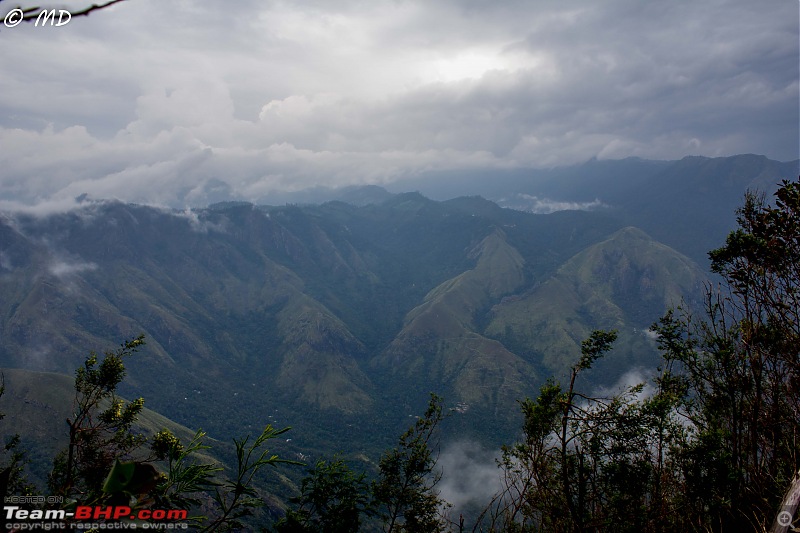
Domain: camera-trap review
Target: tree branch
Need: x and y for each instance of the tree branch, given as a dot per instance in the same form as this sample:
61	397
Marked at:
32	13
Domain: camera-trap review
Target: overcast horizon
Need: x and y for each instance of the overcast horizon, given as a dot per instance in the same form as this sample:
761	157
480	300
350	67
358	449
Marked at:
161	103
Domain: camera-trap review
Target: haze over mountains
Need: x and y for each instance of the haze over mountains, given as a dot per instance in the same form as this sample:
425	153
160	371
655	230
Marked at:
339	317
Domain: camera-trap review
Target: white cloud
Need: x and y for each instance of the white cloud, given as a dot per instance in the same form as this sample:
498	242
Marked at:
196	223
150	101
62	269
534	204
470	475
5	261
628	380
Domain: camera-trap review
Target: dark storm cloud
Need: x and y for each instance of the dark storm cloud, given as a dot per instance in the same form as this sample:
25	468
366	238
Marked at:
158	102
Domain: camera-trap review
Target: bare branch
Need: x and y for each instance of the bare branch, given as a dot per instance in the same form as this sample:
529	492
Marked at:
32	13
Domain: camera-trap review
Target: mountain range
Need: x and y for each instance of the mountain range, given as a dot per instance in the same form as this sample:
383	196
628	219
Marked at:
339	318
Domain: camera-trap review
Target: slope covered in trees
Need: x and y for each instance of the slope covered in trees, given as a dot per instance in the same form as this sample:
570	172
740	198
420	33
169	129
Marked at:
714	447
709	445
250	309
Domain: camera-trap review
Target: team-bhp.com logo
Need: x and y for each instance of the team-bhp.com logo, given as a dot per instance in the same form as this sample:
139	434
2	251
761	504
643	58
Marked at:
93	517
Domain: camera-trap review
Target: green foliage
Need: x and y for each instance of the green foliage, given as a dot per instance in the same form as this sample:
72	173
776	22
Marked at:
332	499
186	478
405	491
236	497
165	445
100	429
593	348
715	447
587	463
740	370
12	469
93	469
542	415
130	482
188	483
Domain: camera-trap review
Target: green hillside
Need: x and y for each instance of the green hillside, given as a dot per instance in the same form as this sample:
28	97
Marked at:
335	317
292	315
439	348
37	404
624	282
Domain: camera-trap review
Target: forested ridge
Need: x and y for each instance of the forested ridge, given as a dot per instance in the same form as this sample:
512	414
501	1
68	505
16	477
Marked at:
709	445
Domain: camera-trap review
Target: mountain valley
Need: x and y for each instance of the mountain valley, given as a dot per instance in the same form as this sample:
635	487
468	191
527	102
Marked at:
339	319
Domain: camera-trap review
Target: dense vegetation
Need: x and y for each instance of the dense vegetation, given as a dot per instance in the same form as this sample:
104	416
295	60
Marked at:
714	447
335	316
710	445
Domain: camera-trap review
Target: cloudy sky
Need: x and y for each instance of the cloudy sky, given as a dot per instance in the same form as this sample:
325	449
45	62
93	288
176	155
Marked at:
165	102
